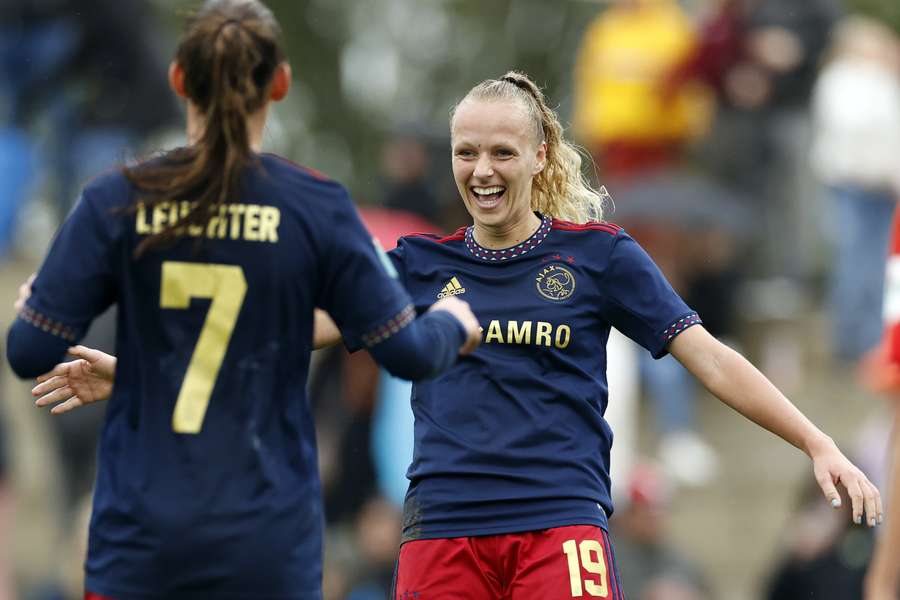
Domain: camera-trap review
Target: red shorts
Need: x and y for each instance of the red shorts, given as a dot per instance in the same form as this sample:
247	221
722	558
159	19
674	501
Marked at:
565	562
93	596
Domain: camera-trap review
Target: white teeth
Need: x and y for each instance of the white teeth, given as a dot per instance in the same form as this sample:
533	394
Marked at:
487	191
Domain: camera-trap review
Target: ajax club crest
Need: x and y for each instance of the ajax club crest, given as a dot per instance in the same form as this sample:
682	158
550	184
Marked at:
555	282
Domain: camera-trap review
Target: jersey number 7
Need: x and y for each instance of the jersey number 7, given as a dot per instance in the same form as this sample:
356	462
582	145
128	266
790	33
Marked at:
226	285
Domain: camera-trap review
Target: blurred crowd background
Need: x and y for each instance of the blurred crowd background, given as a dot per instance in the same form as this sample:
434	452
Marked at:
752	146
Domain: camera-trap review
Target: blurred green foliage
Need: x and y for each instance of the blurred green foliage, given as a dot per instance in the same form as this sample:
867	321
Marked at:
366	69
885	10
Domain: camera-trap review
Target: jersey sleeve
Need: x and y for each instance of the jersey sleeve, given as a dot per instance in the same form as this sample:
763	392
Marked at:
73	286
398	260
638	301
360	289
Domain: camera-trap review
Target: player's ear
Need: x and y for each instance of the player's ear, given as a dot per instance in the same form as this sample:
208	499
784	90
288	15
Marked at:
541	158
176	79
281	82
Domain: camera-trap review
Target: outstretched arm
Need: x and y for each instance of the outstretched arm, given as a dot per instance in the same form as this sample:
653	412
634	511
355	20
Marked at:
90	377
737	383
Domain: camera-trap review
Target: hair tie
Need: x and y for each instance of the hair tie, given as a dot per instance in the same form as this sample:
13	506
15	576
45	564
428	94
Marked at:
228	22
518	83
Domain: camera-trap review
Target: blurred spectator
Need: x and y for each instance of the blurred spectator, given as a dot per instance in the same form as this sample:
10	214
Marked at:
761	58
79	84
856	154
650	568
378	527
638	130
406	166
342	392
825	555
620	112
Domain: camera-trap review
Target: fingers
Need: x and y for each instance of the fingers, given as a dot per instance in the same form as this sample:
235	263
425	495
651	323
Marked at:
60	370
472	342
829	489
464	315
856	500
872	501
48	386
88	354
58	395
70	404
879	505
866	500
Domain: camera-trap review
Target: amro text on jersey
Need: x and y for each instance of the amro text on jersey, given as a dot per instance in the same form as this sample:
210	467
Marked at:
539	333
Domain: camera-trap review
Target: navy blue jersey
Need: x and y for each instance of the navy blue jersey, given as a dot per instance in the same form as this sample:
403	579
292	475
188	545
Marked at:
513	438
207	482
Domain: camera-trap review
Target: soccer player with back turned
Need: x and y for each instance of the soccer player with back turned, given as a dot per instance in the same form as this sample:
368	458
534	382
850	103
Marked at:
217	254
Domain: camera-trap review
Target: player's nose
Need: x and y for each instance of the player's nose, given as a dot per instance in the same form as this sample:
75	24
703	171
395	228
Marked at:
483	168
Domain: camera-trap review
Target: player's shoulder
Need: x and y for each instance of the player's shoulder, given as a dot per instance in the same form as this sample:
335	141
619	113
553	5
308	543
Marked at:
590	228
300	188
433	240
592	233
286	169
107	186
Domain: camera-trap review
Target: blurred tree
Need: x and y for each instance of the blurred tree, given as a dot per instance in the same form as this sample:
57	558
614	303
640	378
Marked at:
364	68
884	10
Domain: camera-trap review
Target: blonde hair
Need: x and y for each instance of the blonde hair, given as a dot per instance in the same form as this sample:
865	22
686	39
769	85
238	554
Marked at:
560	190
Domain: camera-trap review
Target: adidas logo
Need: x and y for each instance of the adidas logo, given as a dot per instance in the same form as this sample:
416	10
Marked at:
453	288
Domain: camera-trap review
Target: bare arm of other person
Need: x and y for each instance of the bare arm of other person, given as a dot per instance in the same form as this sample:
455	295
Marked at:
731	378
90	377
883	578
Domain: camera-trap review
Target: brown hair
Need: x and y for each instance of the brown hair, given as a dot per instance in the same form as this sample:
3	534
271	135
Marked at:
229	54
560	189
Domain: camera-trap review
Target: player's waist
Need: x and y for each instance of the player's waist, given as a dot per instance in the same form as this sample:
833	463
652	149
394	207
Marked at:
426	519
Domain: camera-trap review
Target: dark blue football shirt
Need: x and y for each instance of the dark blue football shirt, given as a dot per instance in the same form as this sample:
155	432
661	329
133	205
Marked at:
513	438
207	483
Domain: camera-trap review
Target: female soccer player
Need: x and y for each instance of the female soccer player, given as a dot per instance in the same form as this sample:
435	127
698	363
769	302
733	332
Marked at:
509	493
216	254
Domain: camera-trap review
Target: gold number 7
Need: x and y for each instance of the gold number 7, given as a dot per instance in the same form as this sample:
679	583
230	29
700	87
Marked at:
226	285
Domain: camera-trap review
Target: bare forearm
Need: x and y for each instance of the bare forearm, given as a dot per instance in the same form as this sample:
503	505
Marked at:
731	378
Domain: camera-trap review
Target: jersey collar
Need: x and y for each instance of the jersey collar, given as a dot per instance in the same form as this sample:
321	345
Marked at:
506	253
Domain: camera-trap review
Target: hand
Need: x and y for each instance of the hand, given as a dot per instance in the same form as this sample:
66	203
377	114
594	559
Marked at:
463	313
831	468
24	294
74	384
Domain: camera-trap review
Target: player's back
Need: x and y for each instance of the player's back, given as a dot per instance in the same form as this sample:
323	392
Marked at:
207	463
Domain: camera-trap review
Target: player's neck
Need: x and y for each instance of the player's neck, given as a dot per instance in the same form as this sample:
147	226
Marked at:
506	234
256	123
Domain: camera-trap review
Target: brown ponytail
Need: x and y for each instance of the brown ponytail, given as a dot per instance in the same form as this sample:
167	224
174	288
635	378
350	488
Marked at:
229	54
560	189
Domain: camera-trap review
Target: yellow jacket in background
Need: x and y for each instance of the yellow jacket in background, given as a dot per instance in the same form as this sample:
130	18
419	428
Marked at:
625	55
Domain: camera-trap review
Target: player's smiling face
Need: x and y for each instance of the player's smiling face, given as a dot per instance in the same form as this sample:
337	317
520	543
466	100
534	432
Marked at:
496	155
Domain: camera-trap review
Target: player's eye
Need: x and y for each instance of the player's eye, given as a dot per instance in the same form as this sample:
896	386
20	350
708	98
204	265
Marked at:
464	153
504	152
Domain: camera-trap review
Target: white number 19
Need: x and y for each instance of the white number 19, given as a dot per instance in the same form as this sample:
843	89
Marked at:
592	561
